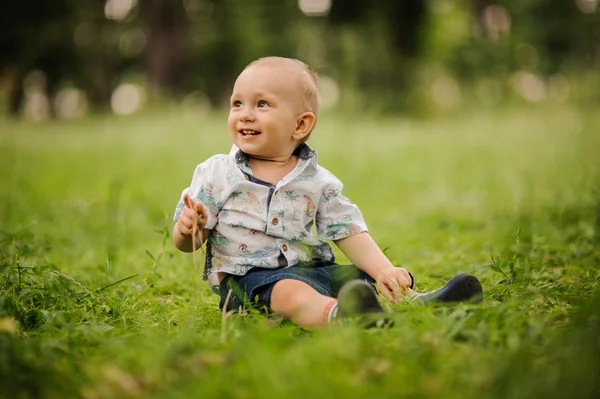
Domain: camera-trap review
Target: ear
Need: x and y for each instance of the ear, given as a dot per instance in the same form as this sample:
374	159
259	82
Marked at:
304	125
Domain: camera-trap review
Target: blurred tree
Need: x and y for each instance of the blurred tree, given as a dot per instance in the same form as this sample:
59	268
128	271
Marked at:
97	53
166	28
35	35
227	35
371	48
377	42
558	32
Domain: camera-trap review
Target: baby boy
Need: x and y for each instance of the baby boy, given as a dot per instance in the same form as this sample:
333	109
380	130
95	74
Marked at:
255	209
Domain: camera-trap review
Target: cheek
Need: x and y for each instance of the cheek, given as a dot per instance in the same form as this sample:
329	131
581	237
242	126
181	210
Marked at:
275	120
231	120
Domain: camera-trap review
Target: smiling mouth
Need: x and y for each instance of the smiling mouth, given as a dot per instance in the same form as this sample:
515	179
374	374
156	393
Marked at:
248	132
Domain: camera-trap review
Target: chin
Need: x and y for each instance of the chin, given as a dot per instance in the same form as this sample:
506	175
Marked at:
247	149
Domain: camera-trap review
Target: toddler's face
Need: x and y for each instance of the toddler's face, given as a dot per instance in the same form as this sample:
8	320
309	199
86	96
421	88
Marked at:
265	104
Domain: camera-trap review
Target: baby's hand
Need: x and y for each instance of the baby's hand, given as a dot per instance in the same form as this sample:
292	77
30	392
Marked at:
192	212
393	282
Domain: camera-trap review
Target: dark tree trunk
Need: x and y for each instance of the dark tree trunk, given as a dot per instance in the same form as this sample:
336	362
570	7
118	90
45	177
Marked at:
406	19
166	27
100	77
16	94
477	7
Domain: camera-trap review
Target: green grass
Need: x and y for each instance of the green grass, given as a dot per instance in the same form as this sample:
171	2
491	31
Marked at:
96	303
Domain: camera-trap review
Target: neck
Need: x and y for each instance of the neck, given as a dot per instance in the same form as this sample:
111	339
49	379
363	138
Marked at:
279	162
272	170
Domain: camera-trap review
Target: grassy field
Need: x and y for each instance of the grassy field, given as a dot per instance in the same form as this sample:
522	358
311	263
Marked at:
95	302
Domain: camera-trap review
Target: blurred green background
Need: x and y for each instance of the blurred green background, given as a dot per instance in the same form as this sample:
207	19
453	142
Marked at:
466	131
67	57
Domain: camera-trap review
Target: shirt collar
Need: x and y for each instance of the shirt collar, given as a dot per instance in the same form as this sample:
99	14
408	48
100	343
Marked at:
304	153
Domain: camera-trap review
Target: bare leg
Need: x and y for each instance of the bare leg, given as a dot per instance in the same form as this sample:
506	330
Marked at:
300	302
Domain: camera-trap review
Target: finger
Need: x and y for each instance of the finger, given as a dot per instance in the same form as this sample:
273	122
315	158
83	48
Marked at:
405	282
199	214
394	288
187	221
184	226
204	214
189	202
405	274
384	290
183	230
403	285
187	212
402	282
191	212
181	216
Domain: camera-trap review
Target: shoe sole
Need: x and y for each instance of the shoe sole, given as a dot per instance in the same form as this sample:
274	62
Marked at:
357	300
462	287
360	298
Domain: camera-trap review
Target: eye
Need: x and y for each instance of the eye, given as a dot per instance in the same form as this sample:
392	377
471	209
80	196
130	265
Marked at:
236	103
262	104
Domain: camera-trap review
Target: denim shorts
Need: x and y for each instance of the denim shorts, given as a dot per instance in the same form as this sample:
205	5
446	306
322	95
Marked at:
255	287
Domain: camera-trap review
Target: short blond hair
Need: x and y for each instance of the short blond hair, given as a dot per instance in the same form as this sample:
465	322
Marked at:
308	81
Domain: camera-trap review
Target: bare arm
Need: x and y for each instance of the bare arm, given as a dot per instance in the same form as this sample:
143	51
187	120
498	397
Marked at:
192	213
364	253
183	242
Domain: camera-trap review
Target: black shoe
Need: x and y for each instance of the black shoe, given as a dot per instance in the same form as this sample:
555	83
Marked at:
357	300
462	287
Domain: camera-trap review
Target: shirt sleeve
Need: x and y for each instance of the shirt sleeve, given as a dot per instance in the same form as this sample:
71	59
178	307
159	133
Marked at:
337	216
204	188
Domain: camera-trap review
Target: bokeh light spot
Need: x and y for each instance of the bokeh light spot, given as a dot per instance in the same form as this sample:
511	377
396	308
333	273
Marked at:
127	99
587	6
497	20
118	9
70	103
445	92
314	8
529	86
37	106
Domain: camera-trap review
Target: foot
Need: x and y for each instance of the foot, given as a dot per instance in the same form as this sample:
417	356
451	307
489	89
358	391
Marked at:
462	287
357	299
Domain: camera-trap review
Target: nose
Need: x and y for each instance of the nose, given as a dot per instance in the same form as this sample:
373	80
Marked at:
246	114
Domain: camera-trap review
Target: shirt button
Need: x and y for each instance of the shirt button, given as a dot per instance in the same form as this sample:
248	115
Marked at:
284	247
275	221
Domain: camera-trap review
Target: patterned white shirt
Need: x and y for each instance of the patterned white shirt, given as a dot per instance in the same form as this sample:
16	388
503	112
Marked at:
254	223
